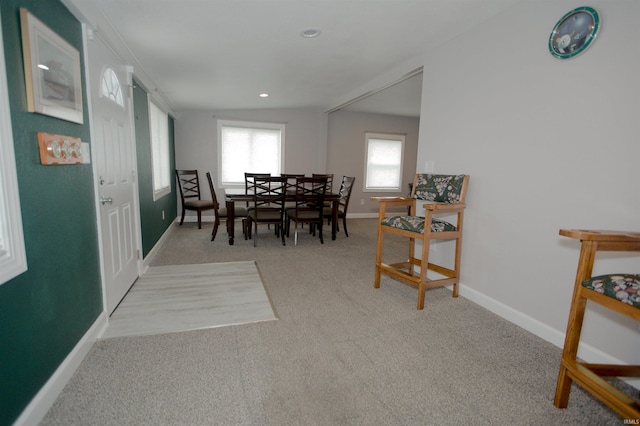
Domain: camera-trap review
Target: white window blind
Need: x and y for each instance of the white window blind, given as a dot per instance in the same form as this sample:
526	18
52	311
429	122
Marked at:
383	167
249	147
13	258
159	129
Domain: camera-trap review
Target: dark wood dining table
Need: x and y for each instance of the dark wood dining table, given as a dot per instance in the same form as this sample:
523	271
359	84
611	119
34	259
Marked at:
234	195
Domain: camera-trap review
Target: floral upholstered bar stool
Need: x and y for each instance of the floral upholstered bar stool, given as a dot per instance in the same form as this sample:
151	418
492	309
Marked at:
439	195
618	292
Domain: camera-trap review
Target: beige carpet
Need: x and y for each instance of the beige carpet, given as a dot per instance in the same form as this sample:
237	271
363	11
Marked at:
340	353
174	298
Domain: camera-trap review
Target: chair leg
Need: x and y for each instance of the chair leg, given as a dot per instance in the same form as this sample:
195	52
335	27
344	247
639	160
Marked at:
199	219
376	283
282	226
422	287
412	245
570	350
456	266
182	218
255	232
574	324
215	229
344	225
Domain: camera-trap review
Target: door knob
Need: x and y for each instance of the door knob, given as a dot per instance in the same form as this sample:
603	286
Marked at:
105	200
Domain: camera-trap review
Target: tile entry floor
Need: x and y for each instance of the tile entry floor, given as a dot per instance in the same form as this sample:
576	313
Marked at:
177	298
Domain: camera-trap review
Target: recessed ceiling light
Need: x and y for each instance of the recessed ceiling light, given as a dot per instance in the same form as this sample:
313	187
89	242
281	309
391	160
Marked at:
264	95
310	33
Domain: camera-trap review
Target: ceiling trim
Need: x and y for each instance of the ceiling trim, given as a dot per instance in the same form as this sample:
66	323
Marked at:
373	92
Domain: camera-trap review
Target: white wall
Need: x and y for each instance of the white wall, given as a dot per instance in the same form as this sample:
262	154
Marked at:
549	144
316	142
347	147
197	140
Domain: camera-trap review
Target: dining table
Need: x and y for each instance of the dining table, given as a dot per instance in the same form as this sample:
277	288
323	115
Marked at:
233	195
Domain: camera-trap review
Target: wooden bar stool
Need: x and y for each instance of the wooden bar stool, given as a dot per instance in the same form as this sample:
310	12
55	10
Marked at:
439	195
618	292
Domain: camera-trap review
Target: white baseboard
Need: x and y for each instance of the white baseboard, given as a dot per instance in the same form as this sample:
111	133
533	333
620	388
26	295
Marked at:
551	335
44	399
362	215
194	219
149	257
528	323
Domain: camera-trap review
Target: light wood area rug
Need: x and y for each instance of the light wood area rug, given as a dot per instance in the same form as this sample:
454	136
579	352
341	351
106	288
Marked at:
174	298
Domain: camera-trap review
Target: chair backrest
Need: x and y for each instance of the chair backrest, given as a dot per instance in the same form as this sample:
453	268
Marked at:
216	205
188	184
249	181
291	180
310	193
450	189
269	192
250	184
329	177
345	192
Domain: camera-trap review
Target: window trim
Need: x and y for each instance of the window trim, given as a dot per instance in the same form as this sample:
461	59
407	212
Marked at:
13	258
398	137
164	190
248	125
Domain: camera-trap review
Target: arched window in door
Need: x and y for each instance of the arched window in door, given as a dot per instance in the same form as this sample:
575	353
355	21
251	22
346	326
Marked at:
110	87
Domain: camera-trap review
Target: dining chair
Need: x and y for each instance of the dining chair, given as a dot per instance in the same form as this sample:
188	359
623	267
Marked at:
343	204
290	185
329	177
189	187
439	195
221	212
309	205
619	292
249	188
250	184
267	205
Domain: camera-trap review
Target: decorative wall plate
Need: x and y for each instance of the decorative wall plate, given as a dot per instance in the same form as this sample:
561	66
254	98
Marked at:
574	32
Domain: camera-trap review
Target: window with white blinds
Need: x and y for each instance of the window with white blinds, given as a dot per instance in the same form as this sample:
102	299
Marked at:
248	147
383	168
13	258
159	129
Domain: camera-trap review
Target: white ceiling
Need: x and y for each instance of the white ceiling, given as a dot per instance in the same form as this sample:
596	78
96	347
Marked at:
221	54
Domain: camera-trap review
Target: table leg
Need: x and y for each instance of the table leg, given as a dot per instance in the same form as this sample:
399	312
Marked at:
231	220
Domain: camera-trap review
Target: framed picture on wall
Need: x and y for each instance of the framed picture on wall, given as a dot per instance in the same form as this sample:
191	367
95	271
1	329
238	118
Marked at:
52	71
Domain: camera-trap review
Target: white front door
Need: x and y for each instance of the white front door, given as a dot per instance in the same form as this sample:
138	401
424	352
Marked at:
115	170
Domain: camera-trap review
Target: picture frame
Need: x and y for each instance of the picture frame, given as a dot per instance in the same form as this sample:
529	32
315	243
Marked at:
52	71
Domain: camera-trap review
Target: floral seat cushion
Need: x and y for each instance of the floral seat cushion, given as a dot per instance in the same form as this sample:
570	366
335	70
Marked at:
416	224
622	287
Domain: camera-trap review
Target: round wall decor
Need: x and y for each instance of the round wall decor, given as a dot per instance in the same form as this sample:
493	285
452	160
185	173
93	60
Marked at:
574	32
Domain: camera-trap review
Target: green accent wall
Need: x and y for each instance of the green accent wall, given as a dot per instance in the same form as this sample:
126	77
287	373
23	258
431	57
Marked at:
45	311
153	225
